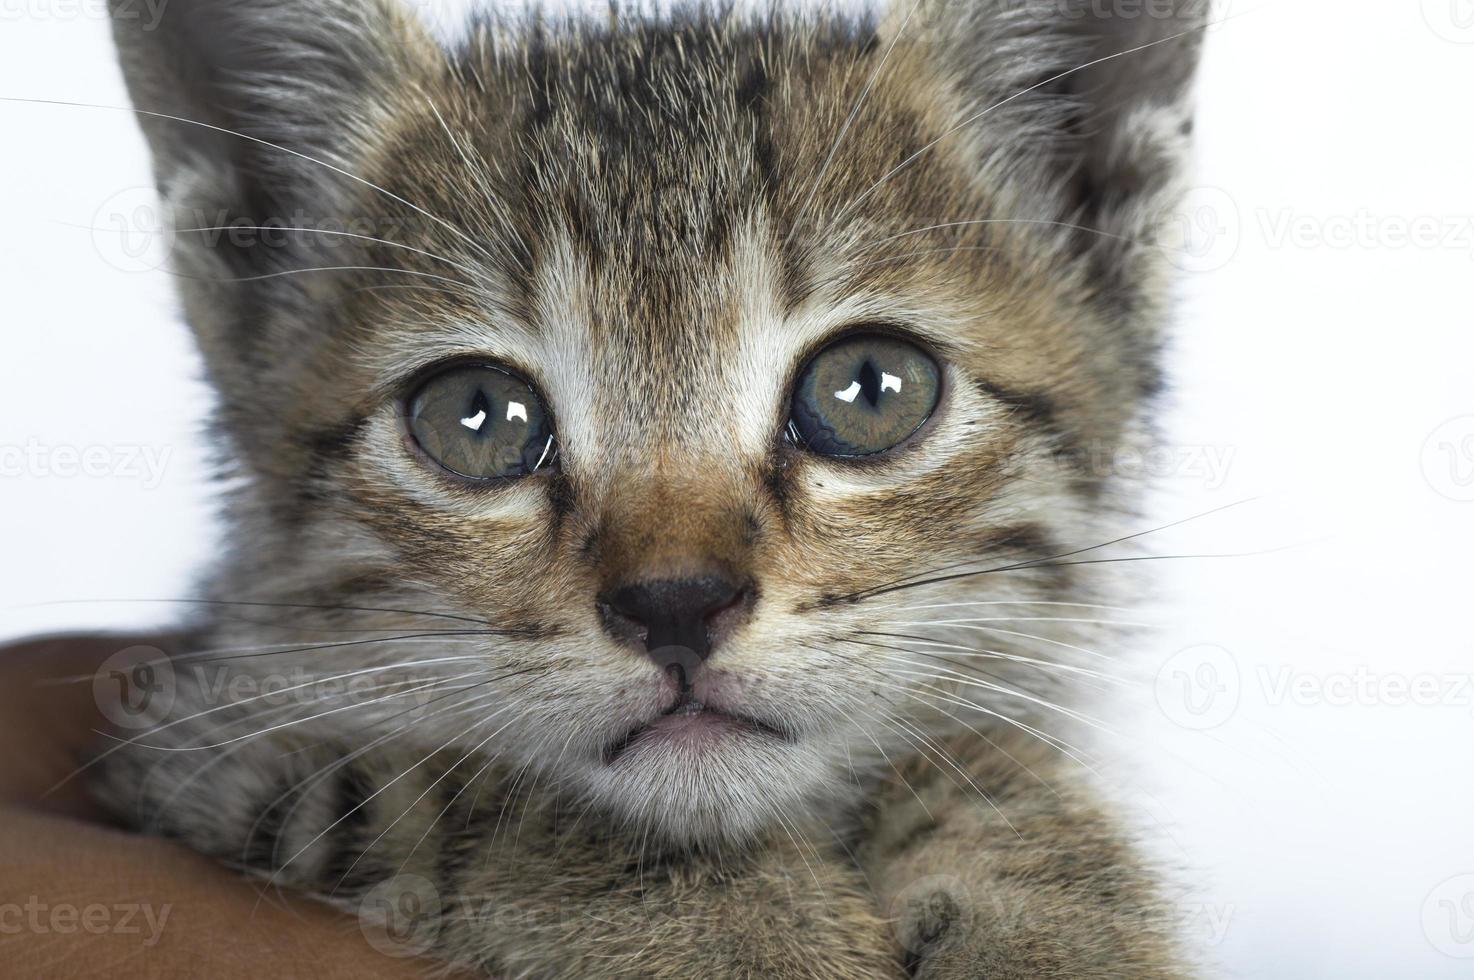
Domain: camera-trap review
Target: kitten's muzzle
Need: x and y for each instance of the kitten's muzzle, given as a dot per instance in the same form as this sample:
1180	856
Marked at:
678	622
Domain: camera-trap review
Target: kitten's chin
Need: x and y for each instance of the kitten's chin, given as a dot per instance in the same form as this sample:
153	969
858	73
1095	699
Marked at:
708	779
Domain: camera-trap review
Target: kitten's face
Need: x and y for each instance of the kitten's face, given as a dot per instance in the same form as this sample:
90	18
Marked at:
645	242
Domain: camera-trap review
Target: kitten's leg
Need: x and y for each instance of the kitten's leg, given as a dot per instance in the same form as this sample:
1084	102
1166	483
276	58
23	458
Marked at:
501	881
1036	885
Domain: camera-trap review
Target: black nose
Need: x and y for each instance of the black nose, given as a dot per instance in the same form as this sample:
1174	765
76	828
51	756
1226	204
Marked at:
677	620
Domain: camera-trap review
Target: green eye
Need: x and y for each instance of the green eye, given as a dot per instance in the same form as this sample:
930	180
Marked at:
481	423
864	395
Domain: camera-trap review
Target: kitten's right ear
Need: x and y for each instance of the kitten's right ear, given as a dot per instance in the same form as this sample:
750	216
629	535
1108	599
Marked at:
236	95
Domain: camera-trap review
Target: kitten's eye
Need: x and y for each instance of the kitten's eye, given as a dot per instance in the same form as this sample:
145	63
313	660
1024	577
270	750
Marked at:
864	395
481	423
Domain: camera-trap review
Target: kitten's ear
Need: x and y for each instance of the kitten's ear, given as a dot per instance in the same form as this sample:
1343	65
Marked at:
1096	97
219	80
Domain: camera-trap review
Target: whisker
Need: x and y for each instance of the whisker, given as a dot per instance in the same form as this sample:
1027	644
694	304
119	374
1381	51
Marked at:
285	229
125	743
1017	602
305	785
1071	752
865	246
326	268
910	160
430	685
366	801
924	743
428	790
999	655
922	669
325	607
906	582
1023	619
844	130
261	142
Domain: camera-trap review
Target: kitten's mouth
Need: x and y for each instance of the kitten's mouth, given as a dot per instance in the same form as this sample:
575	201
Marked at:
692	725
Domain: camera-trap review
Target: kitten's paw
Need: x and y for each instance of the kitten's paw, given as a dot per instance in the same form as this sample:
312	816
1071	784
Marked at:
934	920
950	932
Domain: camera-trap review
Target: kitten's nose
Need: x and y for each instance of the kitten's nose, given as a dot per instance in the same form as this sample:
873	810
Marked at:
678	621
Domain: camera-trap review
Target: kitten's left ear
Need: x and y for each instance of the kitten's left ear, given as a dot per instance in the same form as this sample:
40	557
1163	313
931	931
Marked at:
1091	100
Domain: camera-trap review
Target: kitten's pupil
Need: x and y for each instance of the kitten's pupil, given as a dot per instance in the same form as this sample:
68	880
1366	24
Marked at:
870	383
480	413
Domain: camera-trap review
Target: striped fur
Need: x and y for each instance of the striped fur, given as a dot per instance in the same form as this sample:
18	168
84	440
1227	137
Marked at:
656	216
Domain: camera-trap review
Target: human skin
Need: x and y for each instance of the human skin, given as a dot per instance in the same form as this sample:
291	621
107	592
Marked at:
68	878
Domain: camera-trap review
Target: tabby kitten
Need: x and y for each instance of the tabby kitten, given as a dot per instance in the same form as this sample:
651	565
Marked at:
660	454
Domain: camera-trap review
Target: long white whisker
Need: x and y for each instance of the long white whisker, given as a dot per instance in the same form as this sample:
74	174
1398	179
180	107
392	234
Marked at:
254	139
849	121
904	164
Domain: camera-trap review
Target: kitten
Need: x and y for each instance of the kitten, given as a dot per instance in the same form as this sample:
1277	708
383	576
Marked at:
656	443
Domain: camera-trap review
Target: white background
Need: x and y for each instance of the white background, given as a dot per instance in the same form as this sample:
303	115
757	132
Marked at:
1322	345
